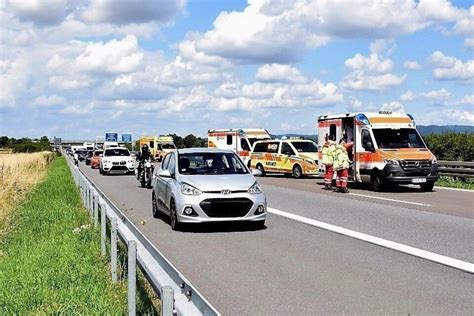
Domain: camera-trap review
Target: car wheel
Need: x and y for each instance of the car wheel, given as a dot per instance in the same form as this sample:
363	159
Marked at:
377	182
175	224
154	204
297	172
427	187
261	169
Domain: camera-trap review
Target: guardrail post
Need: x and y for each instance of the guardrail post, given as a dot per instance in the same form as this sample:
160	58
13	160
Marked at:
102	228
167	301
132	277
96	211
113	249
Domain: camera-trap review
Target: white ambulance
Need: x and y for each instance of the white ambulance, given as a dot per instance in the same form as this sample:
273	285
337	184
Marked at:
385	148
240	141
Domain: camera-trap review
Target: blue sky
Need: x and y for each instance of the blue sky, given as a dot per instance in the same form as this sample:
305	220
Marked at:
80	68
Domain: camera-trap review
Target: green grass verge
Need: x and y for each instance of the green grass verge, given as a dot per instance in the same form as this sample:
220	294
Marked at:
451	183
47	268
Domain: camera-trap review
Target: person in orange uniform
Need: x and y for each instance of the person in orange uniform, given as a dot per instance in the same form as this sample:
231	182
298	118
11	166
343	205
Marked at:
341	166
328	160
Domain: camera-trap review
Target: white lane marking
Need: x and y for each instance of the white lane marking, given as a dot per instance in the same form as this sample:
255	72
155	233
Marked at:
387	199
431	256
455	189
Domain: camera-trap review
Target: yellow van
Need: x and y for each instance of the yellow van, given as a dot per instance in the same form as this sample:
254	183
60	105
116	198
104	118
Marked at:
292	157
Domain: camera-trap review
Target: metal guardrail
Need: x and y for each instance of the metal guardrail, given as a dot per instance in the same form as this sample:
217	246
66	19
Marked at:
166	280
456	169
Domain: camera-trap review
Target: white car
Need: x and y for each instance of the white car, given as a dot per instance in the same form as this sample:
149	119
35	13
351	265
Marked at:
117	159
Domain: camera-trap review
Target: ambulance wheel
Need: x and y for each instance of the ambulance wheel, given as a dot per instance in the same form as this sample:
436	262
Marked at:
427	187
377	182
262	170
297	172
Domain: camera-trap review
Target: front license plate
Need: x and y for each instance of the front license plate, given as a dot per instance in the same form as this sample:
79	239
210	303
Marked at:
418	180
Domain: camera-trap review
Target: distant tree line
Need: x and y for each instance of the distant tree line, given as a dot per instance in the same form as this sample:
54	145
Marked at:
451	145
25	145
188	141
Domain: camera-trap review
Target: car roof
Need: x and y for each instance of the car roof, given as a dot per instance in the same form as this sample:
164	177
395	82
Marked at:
202	150
284	140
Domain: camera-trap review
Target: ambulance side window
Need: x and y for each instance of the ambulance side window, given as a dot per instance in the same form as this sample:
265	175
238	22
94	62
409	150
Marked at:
260	148
244	144
366	140
152	144
229	140
286	149
332	130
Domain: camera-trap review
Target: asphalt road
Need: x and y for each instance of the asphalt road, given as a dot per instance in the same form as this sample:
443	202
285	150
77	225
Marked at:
294	268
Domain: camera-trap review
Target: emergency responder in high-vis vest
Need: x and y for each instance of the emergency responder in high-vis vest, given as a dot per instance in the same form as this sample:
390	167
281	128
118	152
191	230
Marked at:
328	161
341	166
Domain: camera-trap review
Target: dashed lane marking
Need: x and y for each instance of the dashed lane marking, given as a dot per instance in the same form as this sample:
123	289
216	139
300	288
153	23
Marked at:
434	257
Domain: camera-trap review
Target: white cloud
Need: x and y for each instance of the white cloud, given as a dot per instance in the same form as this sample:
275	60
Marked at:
467	100
393	106
441	94
40	12
451	68
115	56
370	65
49	100
412	65
408	96
279	73
356	105
278	32
132	11
13	80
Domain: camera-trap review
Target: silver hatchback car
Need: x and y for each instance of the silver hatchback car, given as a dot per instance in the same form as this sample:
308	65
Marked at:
198	185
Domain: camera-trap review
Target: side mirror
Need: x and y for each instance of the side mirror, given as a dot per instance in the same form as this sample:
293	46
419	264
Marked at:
256	172
164	173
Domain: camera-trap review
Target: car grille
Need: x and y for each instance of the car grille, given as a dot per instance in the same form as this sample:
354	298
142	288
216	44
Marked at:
123	163
416	165
116	163
234	207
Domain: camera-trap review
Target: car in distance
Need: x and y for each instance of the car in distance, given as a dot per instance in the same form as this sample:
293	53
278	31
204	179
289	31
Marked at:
95	159
116	159
89	154
198	185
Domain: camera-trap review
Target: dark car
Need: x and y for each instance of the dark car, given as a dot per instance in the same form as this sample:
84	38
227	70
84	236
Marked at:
82	155
89	155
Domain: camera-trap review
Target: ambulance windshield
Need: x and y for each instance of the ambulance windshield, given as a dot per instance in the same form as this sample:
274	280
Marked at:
388	138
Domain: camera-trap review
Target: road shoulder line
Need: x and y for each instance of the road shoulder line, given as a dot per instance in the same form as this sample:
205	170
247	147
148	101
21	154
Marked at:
431	256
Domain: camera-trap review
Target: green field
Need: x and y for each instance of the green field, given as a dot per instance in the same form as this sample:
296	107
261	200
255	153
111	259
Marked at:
449	182
48	267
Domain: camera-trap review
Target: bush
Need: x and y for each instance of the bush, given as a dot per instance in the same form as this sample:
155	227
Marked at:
452	146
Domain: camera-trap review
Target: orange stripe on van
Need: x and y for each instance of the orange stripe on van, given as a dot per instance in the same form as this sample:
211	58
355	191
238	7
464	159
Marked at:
389	120
327	123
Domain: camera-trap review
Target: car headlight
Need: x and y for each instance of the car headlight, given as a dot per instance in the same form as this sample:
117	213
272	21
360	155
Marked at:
391	161
187	189
255	189
105	162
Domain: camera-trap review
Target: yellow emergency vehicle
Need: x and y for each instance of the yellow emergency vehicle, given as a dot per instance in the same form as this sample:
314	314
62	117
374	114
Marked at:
292	157
158	146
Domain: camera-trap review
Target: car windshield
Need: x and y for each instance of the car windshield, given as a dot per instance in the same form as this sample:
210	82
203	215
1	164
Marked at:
97	152
210	164
305	147
116	152
398	138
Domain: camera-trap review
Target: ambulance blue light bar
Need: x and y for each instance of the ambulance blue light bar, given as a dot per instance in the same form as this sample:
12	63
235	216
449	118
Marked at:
363	119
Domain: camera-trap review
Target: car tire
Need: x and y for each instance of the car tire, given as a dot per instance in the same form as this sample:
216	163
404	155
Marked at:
100	170
154	205
427	187
261	169
174	222
297	172
377	183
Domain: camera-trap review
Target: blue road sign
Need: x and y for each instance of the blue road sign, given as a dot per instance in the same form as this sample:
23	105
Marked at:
111	137
127	138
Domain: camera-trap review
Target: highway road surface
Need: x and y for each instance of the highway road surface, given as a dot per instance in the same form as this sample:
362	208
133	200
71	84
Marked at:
294	268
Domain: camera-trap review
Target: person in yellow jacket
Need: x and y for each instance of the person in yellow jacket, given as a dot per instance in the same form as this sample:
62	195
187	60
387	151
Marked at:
341	166
328	160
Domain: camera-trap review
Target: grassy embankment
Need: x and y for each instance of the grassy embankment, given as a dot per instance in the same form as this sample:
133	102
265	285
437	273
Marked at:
47	265
449	182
